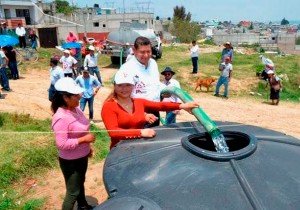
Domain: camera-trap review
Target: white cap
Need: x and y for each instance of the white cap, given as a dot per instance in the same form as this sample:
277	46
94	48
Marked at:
92	48
122	77
270	72
68	85
67	51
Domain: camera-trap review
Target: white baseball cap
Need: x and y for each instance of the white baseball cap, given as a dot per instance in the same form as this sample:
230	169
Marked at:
92	48
270	72
123	77
67	51
68	85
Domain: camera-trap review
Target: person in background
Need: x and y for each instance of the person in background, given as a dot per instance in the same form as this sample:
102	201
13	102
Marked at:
227	52
3	29
56	73
88	83
71	37
12	61
3	75
168	81
124	116
275	87
68	63
91	63
20	31
194	51
33	39
73	139
130	52
226	73
145	72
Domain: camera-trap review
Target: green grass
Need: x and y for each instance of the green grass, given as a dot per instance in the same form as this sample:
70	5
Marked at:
30	155
245	68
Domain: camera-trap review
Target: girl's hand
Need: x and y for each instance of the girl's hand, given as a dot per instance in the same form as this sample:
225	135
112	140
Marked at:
189	106
148	133
150	118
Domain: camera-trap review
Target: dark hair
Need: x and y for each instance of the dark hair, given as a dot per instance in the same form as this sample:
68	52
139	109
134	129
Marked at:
141	41
54	61
58	100
193	42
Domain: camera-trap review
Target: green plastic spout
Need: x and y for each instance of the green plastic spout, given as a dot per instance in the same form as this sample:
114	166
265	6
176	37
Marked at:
209	125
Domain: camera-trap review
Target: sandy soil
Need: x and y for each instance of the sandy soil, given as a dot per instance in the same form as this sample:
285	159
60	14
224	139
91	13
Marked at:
29	95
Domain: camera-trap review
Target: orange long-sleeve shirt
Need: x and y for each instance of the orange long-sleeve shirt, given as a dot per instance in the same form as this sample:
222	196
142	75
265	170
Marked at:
123	125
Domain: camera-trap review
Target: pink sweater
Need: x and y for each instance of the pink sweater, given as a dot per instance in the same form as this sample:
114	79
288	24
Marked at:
68	126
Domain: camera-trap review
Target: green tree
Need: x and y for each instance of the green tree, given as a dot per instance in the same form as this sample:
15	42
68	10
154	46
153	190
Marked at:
63	6
157	18
251	26
183	28
284	22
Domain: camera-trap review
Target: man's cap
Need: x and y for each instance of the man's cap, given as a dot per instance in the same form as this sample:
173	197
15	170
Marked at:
122	77
167	69
67	51
92	48
270	72
68	85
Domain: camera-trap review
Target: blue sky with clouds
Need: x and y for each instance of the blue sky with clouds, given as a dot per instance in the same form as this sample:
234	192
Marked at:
234	10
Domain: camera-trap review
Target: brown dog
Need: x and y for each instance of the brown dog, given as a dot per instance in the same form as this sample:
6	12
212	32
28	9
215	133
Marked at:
204	82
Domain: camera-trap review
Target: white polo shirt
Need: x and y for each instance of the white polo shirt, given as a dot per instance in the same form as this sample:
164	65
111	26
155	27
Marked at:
147	84
91	61
171	83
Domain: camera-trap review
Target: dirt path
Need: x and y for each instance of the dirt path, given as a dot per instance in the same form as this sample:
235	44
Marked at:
30	95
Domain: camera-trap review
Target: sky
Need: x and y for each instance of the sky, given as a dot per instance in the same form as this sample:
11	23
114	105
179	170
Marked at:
201	10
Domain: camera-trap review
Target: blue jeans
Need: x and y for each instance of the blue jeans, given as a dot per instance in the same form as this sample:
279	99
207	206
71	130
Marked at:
4	78
195	64
90	102
51	91
95	70
170	118
222	81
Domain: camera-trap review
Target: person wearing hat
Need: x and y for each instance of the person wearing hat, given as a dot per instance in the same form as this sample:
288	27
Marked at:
124	116
275	86
91	63
224	79
227	52
56	73
144	69
168	81
68	63
73	139
91	86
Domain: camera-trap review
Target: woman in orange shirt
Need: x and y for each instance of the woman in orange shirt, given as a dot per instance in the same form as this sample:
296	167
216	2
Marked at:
124	117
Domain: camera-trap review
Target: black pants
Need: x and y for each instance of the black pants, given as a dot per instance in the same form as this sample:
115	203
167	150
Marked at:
22	41
74	173
195	64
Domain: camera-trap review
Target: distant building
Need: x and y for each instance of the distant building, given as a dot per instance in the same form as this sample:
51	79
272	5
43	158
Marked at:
245	23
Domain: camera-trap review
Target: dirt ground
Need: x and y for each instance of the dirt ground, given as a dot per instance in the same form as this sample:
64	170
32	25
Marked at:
29	95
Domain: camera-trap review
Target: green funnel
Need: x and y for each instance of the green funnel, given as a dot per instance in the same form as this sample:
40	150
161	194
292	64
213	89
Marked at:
209	125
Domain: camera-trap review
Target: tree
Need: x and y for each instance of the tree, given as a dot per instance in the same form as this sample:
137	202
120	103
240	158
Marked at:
251	26
182	27
63	6
284	22
157	18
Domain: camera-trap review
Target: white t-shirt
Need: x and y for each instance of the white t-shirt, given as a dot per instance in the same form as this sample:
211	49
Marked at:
171	83
227	68
147	84
194	51
67	63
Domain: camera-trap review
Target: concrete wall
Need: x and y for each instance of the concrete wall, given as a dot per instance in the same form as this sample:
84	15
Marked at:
287	43
236	39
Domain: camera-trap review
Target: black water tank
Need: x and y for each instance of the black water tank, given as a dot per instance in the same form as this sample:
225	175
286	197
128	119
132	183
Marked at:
179	169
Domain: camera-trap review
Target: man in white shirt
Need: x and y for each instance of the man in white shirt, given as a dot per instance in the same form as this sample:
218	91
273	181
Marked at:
194	51
91	63
68	63
170	82
144	71
20	31
224	79
56	73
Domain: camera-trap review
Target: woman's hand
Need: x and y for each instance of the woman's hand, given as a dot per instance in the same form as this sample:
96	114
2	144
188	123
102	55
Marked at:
150	118
189	106
88	138
148	133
